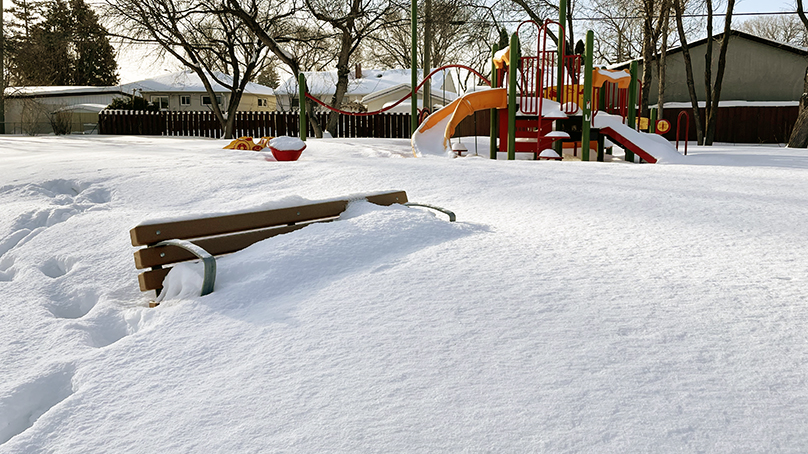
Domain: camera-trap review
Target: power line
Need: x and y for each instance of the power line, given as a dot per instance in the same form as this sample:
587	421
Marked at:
779	13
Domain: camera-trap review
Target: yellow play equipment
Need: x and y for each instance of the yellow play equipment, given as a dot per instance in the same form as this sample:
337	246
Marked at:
246	143
497	98
464	106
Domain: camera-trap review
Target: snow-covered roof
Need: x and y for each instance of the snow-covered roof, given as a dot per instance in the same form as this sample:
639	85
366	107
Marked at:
50	91
83	108
372	80
437	94
718	36
190	82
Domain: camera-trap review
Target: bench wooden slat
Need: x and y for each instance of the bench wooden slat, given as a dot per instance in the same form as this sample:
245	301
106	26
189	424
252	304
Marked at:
143	235
162	255
152	280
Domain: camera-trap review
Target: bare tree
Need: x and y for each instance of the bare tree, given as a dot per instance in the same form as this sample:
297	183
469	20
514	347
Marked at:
654	16
713	91
352	21
619	32
214	46
461	33
662	61
293	39
540	10
782	28
706	134
678	9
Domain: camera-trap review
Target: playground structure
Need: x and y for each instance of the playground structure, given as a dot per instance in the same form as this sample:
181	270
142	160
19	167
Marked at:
541	104
550	102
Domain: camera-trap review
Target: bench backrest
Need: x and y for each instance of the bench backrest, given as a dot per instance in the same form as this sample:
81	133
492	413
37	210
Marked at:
230	233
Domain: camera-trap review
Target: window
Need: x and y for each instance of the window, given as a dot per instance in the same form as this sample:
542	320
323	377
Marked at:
262	102
185	100
206	100
161	102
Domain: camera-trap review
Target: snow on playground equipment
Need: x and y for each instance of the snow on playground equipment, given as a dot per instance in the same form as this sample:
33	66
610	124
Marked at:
545	100
286	148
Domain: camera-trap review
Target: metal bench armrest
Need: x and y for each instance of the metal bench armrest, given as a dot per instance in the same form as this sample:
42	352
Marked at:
208	260
451	215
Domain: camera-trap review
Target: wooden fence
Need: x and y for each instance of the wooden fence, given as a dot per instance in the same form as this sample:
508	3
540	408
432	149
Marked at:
254	124
735	124
741	124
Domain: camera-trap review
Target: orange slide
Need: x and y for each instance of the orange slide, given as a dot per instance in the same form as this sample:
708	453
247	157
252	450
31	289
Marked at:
464	106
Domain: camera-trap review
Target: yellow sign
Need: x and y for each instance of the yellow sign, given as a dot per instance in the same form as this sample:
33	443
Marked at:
644	123
663	126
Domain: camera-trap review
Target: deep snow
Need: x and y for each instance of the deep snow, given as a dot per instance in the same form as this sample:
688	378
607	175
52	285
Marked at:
574	306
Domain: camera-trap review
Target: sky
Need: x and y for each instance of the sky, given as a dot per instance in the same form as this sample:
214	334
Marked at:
138	62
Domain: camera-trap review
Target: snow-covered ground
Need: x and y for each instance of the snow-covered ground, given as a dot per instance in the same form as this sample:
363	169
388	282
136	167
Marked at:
574	306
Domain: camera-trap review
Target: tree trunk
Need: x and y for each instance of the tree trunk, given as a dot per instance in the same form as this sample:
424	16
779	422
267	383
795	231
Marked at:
661	68
712	117
799	134
648	49
708	72
691	87
233	7
342	83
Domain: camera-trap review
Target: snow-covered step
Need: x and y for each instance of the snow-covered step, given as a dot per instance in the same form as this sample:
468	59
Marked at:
557	135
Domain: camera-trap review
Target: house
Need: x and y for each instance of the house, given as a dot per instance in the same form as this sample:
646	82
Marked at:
37	110
760	92
184	91
368	90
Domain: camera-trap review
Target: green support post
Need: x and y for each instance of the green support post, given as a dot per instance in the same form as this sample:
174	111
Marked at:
414	63
587	101
562	40
631	119
514	63
301	86
493	113
652	121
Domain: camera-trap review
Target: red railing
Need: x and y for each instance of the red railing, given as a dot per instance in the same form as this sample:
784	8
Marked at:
687	129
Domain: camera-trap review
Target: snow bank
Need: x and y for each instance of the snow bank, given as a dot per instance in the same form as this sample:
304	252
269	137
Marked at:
574	307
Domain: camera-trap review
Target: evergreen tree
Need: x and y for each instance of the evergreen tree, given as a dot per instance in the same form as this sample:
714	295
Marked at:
94	59
59	43
268	77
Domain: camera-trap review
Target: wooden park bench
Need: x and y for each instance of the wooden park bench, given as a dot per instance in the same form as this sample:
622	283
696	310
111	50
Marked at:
167	243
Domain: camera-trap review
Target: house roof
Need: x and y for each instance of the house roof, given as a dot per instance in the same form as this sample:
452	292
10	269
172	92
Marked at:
324	83
776	44
60	91
187	81
403	89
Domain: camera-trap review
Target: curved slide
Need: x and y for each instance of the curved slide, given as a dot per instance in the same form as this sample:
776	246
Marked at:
432	137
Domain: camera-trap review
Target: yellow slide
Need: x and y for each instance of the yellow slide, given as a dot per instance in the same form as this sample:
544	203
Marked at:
464	106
